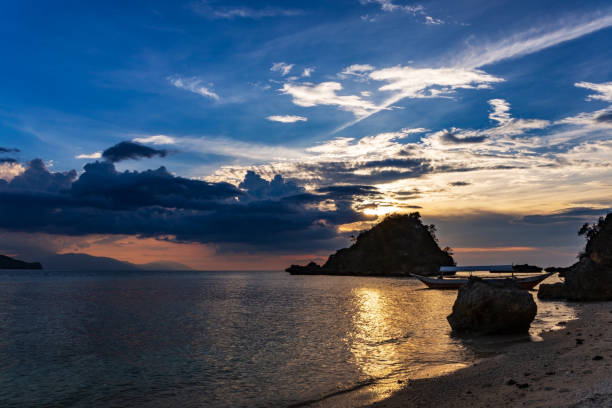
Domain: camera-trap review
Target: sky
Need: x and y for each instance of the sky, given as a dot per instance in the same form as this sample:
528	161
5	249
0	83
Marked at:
254	134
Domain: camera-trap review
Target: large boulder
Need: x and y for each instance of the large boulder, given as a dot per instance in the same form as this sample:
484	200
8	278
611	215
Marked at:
591	277
401	244
553	291
589	281
492	308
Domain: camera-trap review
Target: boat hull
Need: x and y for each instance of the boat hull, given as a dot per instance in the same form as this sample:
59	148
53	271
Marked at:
437	283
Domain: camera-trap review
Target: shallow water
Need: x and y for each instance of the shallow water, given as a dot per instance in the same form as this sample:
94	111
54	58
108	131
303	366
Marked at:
223	339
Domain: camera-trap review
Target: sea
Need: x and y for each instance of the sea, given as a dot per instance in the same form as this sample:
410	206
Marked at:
227	339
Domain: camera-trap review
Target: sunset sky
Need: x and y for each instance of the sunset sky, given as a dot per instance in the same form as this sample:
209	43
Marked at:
255	134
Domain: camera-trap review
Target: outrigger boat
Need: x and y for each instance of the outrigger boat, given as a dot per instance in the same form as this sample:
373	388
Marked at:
440	282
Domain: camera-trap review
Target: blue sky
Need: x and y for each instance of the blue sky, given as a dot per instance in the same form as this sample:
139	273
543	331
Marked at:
504	99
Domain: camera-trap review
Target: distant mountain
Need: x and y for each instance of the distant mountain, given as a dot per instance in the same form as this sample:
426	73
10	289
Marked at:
401	244
85	262
6	262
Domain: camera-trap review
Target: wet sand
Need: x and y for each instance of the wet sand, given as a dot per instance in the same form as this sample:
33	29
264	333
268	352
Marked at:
571	367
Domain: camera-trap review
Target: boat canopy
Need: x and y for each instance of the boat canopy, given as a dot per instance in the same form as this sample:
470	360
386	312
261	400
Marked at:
480	268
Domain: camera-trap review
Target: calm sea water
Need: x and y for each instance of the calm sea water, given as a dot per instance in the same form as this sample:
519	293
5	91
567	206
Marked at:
204	339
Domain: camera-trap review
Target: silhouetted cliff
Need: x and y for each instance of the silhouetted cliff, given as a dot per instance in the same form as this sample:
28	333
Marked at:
7	262
399	245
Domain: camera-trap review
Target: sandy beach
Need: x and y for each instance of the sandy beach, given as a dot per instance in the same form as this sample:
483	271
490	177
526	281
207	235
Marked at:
571	367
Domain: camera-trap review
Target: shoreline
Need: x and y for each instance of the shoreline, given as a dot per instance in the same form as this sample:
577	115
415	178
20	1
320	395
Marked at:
570	367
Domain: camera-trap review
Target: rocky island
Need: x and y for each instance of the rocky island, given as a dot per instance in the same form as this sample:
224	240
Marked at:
401	244
589	279
6	262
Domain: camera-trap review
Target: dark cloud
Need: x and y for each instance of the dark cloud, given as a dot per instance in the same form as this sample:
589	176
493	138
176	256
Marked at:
131	150
8	160
349	191
450	138
37	178
155	203
258	187
605	117
459	183
7	150
575	214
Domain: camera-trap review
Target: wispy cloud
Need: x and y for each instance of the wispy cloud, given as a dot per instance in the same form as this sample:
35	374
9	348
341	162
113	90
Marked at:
390	6
193	84
95	155
307	72
281	67
603	90
325	93
155	140
415	10
287	118
206	9
529	41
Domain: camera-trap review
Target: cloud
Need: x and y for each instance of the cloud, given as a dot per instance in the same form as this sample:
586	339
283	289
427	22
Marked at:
357	69
8	150
577	215
603	90
310	95
530	41
307	72
500	112
459	183
600	118
429	20
287	118
203	8
261	215
388	5
9	160
193	84
95	155
282	67
450	138
155	140
129	150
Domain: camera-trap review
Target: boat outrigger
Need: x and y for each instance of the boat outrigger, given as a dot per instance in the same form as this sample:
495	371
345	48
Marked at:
440	282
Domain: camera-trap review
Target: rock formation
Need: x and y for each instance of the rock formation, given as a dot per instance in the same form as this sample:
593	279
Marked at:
590	279
7	262
399	245
492	308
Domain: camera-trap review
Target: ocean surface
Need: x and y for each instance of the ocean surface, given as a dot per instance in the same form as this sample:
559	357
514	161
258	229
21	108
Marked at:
225	339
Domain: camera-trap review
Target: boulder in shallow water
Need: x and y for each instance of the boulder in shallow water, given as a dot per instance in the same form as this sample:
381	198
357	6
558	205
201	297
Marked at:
311	269
553	291
492	308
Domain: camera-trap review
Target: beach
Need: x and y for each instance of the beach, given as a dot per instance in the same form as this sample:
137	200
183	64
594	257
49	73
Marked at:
570	367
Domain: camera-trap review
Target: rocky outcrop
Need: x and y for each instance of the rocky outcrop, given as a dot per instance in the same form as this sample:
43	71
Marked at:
492	308
589	281
7	262
553	291
401	244
311	269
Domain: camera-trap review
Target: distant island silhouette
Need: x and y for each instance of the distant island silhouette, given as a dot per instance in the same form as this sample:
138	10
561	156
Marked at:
399	245
6	262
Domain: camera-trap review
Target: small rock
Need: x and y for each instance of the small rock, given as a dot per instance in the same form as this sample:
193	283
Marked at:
597	358
549	388
579	341
511	382
527	374
522	386
399	381
564	390
550	373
